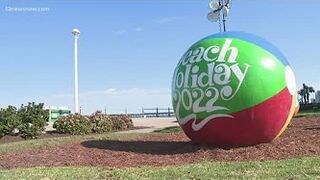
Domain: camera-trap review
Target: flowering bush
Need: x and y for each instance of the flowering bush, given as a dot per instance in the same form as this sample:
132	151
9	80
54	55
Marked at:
128	121
96	123
74	124
101	123
121	122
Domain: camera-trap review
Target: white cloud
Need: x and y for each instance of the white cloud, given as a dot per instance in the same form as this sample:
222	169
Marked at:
125	31
162	20
120	32
138	29
168	19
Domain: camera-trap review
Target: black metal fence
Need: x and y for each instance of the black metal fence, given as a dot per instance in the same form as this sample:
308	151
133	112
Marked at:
153	112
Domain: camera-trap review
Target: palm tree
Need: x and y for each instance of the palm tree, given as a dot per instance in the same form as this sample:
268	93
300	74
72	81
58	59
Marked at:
305	93
310	90
301	93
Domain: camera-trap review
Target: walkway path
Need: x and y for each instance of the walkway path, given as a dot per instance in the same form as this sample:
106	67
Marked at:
151	124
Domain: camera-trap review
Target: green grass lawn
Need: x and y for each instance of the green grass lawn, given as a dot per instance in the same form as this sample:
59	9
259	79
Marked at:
39	143
306	168
299	115
309	112
172	129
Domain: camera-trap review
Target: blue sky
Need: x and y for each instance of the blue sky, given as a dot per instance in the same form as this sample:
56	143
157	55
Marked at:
129	49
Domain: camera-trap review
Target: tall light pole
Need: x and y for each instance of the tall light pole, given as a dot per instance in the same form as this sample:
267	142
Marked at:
219	10
76	33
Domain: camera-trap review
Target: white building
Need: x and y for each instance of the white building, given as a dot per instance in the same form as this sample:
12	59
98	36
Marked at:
56	112
318	97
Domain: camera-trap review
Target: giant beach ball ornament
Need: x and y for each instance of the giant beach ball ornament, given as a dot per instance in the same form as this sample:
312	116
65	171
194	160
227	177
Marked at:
233	89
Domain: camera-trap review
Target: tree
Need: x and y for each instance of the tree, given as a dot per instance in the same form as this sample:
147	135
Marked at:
301	93
310	90
34	119
9	120
305	93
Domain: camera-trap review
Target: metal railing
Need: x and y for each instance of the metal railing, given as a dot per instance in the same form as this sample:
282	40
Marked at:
153	112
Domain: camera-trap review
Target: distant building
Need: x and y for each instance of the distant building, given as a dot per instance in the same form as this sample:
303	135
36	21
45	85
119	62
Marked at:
318	97
56	112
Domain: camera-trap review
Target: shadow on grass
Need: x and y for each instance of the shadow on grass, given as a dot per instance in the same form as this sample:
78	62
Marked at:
146	147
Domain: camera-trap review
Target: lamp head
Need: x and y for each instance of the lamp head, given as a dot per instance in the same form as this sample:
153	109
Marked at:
214	5
76	32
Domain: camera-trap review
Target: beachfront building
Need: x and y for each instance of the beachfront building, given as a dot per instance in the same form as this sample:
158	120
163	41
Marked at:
318	97
56	112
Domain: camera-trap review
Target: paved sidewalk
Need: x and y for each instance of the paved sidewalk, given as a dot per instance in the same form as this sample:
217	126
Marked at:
161	122
49	127
151	124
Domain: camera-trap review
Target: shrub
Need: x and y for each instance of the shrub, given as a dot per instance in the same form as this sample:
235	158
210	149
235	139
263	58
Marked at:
101	123
127	120
118	124
2	130
121	122
33	120
75	124
29	131
96	123
9	120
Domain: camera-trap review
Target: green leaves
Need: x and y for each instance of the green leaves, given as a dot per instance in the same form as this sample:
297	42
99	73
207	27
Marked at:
9	120
30	120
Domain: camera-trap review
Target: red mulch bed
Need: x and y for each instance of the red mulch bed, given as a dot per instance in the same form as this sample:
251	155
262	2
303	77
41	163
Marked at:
10	139
301	139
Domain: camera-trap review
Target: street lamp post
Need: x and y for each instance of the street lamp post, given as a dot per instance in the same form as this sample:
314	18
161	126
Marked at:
76	33
219	10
